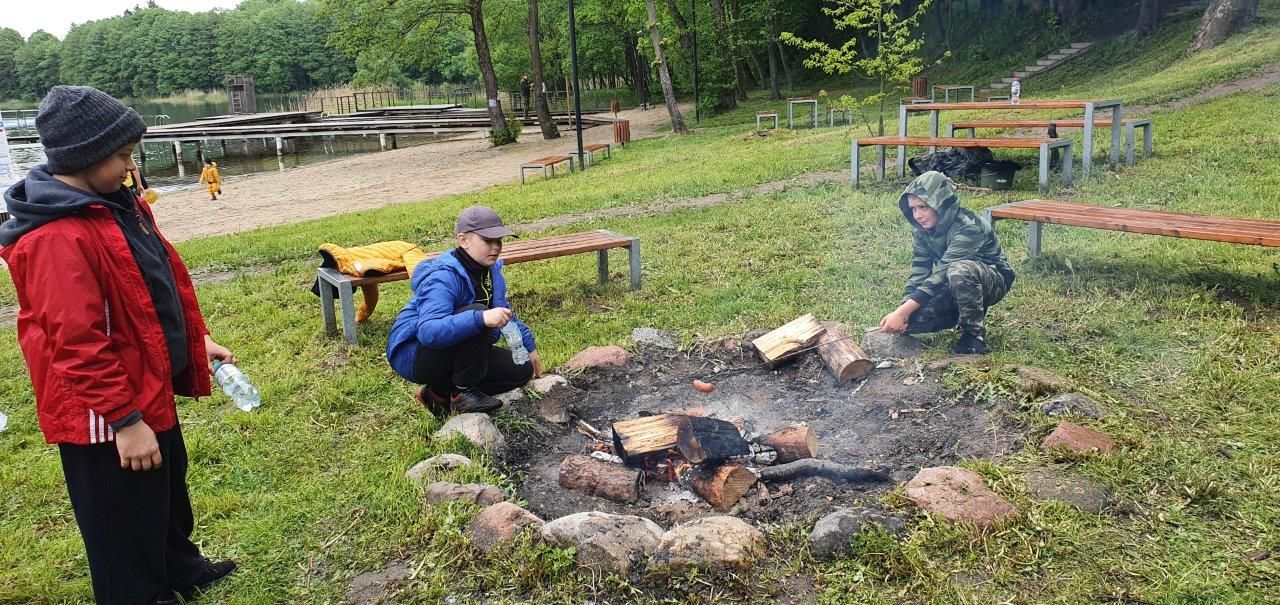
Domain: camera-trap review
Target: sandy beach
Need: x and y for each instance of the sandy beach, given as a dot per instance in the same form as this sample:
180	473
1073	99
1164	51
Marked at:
371	180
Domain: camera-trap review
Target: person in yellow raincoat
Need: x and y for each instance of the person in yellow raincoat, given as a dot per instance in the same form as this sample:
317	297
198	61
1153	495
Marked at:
211	178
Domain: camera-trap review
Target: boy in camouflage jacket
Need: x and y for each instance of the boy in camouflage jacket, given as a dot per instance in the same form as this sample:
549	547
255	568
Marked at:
958	270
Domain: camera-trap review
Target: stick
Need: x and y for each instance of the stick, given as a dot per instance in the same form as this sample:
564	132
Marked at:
823	468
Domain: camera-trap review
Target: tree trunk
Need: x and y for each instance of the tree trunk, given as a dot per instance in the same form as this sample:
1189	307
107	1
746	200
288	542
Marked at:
774	93
686	33
759	69
664	73
782	58
735	47
1221	19
726	62
497	120
548	125
1148	16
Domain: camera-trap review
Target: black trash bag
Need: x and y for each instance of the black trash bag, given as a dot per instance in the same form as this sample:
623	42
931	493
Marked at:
959	163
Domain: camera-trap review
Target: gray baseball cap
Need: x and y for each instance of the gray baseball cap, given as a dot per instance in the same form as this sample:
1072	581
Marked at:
483	222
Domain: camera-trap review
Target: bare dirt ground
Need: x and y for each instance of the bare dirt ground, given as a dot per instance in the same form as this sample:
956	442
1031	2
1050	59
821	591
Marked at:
370	181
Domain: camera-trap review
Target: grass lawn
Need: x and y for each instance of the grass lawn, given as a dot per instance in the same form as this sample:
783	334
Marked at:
1178	338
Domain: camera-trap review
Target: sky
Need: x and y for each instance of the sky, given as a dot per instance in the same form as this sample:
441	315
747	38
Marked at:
56	16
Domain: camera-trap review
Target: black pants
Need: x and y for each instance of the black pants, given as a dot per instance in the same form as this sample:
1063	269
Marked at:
136	525
473	364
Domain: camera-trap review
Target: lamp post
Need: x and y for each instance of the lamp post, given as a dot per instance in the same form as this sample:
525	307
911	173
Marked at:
577	92
694	5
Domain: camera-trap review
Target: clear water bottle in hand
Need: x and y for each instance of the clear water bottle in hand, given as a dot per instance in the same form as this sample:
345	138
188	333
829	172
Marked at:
515	342
1015	92
236	386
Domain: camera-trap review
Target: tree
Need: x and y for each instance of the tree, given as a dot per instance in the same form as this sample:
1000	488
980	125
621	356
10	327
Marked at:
1221	19
10	42
549	130
664	74
36	64
894	61
1148	16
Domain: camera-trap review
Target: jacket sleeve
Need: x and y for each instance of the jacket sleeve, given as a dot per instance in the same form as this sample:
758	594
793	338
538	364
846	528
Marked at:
963	243
921	266
74	319
438	326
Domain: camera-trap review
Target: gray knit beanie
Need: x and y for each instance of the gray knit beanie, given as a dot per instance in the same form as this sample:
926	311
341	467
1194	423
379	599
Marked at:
80	126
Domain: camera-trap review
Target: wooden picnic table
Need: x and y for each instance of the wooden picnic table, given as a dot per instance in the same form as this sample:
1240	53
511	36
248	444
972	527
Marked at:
1089	107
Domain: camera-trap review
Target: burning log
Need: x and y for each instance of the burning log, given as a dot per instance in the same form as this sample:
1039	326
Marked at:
793	337
721	486
823	468
843	356
598	478
701	439
795	443
633	439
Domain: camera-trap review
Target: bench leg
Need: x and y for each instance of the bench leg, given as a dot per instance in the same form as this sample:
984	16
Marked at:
853	163
1068	173
1147	147
776	124
757	122
902	132
1087	152
1044	168
1129	143
1116	114
1033	237
522	176
880	153
602	265
346	300
326	308
951	130
635	264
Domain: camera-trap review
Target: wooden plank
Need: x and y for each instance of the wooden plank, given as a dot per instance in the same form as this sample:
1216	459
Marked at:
1138	224
794	336
1029	123
1246	226
1002	143
1000	105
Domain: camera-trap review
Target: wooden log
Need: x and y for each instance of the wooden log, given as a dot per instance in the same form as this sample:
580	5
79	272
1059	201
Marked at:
843	356
633	439
794	336
701	439
599	478
721	486
823	468
795	443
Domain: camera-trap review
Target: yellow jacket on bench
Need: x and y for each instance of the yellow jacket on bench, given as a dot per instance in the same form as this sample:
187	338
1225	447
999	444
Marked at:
370	260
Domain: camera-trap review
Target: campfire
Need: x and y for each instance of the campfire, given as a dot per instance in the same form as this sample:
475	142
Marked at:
720	460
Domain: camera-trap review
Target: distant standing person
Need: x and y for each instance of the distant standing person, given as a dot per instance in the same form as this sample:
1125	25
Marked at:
524	94
211	178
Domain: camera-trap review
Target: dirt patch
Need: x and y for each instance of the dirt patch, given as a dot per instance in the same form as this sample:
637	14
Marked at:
1270	77
8	317
371	587
882	422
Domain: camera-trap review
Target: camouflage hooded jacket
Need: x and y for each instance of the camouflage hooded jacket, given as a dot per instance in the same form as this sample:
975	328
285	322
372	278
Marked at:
959	235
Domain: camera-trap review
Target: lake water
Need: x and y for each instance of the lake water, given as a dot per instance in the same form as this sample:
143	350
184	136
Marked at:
234	157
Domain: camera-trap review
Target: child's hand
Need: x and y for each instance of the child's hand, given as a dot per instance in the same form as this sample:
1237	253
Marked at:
536	359
138	448
497	317
893	323
218	352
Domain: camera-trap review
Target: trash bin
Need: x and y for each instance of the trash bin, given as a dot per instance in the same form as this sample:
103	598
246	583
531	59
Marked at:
997	176
920	86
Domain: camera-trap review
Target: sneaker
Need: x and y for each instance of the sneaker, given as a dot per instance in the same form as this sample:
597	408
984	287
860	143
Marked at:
212	574
971	343
473	401
437	405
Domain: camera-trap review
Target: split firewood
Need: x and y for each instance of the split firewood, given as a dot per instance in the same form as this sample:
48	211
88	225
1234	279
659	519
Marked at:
586	429
702	439
822	468
795	443
793	337
843	356
598	478
633	439
721	486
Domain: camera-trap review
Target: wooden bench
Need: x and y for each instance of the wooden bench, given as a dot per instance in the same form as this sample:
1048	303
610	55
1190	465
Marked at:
767	114
519	251
1044	145
1171	224
589	152
1129	126
914	100
544	163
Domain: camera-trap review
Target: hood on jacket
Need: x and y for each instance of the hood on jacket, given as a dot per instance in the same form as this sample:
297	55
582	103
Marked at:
938	192
39	199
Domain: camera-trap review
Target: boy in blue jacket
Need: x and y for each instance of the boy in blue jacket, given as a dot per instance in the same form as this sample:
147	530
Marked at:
443	338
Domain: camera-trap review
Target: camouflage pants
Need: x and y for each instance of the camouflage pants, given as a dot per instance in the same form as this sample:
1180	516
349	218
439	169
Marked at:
972	287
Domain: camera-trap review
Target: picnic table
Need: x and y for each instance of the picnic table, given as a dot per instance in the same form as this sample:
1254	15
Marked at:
791	105
1089	107
946	92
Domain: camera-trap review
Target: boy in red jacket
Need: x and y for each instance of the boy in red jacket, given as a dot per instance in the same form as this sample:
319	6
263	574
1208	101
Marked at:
111	331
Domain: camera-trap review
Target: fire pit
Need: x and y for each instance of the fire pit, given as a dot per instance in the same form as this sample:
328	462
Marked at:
768	444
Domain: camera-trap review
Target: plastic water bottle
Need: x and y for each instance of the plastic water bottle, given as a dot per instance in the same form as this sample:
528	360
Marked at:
4	422
1015	92
515	342
236	386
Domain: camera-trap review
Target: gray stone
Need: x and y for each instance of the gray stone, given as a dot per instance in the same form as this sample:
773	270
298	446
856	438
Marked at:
443	462
898	346
479	493
832	535
1074	490
603	542
1073	404
654	338
709	543
510	397
476	428
500	523
547	383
